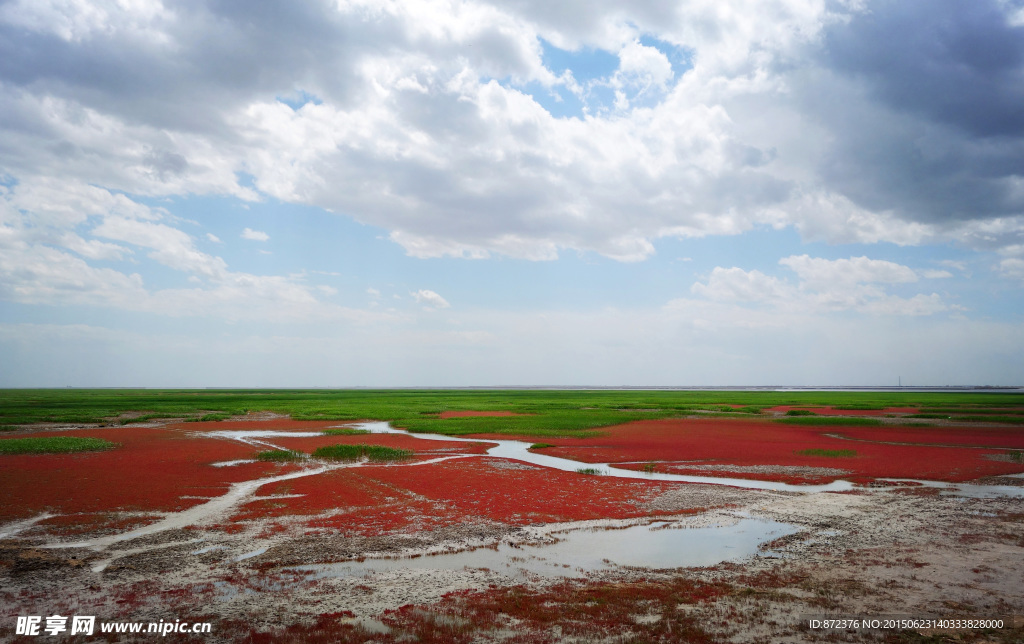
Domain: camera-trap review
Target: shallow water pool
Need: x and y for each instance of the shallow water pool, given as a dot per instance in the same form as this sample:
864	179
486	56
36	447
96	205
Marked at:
578	552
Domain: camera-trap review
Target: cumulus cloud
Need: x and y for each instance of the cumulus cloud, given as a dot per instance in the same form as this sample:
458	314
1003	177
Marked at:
1012	268
254	235
855	284
429	299
215	239
49	231
855	121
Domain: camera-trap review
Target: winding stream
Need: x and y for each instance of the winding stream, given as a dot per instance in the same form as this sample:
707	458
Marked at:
577	551
520	450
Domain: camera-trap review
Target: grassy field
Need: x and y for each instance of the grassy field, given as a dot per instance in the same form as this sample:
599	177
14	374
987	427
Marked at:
355	452
53	445
279	455
542	412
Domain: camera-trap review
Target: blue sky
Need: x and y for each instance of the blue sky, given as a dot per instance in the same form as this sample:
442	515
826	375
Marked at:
472	193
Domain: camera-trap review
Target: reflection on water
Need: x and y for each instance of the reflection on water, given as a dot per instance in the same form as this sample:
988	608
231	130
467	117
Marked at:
658	545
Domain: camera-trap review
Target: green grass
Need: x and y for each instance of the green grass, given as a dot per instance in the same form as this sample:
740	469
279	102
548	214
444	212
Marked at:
550	413
589	470
53	445
975	418
540	445
800	412
1008	420
829	420
209	418
355	452
828	453
947	411
344	431
279	455
1016	456
860	407
142	419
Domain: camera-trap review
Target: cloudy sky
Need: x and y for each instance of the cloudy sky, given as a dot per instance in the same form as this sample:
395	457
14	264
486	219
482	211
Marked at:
511	192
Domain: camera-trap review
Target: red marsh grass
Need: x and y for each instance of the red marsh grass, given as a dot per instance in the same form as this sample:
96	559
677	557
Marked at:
758	442
153	470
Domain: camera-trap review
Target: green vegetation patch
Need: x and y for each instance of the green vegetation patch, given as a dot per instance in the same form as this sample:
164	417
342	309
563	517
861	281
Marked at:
1016	456
279	455
975	418
209	418
356	452
1009	420
344	431
946	411
54	445
142	419
542	413
827	420
540	445
860	407
800	412
828	453
589	470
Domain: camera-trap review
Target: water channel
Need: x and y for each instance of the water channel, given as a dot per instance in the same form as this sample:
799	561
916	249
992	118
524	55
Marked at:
575	552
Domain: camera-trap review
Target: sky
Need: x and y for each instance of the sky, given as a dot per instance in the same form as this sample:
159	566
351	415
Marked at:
374	193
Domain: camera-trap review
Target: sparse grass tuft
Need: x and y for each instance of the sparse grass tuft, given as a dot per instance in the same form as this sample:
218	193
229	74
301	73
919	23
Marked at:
800	412
344	431
1016	456
8	428
830	420
209	418
144	418
54	445
976	417
355	452
540	445
827	453
650	467
588	470
279	455
860	407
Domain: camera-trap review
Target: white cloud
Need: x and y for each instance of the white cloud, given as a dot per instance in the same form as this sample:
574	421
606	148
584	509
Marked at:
429	299
254	235
38	220
692	341
786	118
816	272
215	239
824	285
1012	267
737	285
373	292
171	246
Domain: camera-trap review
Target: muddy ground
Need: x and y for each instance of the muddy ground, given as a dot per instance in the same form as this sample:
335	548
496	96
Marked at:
870	553
877	551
